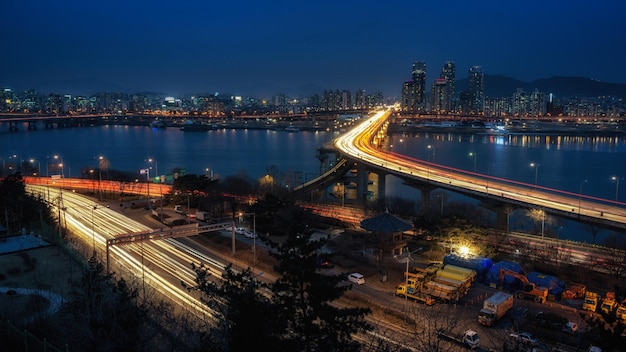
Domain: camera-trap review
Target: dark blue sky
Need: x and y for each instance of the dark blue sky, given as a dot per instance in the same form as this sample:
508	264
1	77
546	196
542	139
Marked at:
260	47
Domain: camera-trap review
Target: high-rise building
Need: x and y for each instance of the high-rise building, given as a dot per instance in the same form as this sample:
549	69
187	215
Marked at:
414	91
439	92
476	90
448	72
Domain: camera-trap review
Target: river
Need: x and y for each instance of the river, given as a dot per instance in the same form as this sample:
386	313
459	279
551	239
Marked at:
591	165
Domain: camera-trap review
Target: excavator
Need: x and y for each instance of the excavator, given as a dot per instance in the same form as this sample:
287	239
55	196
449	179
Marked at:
530	290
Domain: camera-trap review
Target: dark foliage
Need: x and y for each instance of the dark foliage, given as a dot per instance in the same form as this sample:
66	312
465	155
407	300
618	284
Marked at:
21	209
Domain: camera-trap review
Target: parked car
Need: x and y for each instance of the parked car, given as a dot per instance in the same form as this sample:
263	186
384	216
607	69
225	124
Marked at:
570	327
250	234
356	278
525	338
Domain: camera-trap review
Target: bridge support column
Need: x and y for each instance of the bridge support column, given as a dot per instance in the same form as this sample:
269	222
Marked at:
361	183
425	197
381	185
502	219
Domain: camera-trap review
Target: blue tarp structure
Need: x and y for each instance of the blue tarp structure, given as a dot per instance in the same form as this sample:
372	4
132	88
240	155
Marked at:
480	264
509	283
554	285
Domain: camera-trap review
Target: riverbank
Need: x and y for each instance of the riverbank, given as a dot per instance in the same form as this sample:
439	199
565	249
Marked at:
568	128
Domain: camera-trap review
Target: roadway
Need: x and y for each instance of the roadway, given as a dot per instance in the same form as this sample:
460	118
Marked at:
159	265
363	144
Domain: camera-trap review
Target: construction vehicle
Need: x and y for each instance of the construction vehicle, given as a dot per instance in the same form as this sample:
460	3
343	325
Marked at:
530	290
411	292
620	312
463	281
609	303
576	291
590	302
422	282
202	215
495	307
467	273
426	282
442	291
468	339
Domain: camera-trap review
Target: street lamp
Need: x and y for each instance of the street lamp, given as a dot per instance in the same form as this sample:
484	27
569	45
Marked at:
342	189
19	166
616	179
253	234
441	196
156	166
580	195
474	155
428	156
536	166
32	161
406	259
93	231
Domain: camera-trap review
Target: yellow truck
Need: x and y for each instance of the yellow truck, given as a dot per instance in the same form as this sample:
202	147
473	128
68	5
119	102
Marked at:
609	303
411	291
590	302
620	312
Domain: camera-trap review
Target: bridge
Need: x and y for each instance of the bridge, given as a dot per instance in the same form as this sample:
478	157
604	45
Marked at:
361	148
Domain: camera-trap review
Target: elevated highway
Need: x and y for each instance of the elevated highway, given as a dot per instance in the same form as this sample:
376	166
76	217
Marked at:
362	146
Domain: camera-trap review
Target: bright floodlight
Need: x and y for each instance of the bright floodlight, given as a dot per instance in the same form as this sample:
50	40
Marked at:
464	250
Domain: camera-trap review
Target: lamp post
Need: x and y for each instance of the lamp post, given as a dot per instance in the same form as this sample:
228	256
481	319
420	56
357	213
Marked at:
433	148
441	209
536	166
253	234
17	159
93	231
342	189
580	195
474	155
156	166
32	161
405	258
616	179
148	180
543	222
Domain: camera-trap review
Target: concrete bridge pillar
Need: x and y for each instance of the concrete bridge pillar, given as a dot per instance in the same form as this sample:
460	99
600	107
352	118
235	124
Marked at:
502	219
381	185
361	183
425	196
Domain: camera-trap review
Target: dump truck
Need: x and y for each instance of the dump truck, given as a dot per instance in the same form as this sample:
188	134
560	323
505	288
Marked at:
495	307
467	273
202	215
530	290
620	312
410	291
576	291
590	302
423	282
442	291
468	339
609	303
460	279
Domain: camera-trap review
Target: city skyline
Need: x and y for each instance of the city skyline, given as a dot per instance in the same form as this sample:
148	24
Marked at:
251	48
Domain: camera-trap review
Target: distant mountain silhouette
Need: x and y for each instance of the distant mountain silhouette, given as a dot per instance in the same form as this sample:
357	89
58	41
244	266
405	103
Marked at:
502	86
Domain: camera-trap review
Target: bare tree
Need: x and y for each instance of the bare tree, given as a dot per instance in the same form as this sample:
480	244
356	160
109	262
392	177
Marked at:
594	230
615	262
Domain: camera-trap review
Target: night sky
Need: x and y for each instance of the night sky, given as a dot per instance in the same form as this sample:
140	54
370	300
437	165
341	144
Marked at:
265	47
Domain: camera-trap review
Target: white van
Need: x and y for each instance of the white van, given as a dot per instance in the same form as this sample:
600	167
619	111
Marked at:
356	278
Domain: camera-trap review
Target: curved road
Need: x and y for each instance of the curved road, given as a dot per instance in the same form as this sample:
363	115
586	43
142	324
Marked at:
362	144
